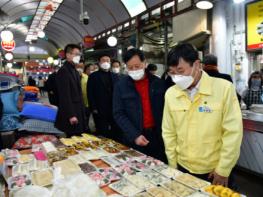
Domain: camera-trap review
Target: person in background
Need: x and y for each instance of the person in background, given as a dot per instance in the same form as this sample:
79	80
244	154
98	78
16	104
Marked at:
100	90
167	78
138	102
254	93
31	81
116	67
152	68
211	68
93	68
50	87
71	112
84	82
202	121
41	83
87	69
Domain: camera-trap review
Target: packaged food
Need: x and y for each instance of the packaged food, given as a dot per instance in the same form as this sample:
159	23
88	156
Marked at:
56	156
160	191
80	146
150	162
87	168
25	158
133	153
10	153
125	188
78	159
59	144
109	173
192	181
218	190
21	169
168	171
178	189
154	177
111	149
42	177
112	161
137	165
68	151
67	167
89	155
143	194
90	137
38	165
139	181
99	179
48	147
18	182
100	153
125	169
200	194
120	146
67	141
36	147
11	161
40	155
122	157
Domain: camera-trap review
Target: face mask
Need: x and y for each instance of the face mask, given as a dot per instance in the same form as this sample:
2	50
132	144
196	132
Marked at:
80	70
116	70
136	74
105	65
76	59
182	81
255	83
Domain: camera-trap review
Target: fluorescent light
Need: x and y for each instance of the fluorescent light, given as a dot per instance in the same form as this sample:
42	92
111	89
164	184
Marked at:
7	35
9	65
9	56
32	49
134	7
112	41
41	34
204	4
238	1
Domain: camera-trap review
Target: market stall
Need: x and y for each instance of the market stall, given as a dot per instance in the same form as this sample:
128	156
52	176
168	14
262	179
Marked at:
91	166
251	155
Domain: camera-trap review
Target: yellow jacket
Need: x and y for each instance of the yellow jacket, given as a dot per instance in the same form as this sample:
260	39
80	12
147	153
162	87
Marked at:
206	134
84	82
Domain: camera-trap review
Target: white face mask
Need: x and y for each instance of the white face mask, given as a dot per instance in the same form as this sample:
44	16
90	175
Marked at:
76	59
105	65
136	74
182	81
116	70
80	70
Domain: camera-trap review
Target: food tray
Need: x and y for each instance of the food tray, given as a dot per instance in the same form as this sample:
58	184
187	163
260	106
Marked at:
125	188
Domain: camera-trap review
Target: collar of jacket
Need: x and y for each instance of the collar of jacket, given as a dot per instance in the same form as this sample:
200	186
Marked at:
205	86
69	64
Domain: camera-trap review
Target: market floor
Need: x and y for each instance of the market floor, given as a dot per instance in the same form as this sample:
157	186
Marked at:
248	184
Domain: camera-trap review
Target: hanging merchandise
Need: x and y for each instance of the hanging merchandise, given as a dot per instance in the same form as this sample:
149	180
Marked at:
8	45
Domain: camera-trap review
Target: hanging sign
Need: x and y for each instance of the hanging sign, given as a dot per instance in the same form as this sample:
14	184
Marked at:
8	45
89	41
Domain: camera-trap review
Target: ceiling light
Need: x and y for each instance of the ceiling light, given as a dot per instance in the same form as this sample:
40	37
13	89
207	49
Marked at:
50	60
32	49
41	34
7	36
9	56
112	41
56	62
238	1
204	4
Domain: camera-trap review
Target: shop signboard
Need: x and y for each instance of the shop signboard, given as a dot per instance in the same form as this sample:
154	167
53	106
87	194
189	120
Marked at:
8	45
254	25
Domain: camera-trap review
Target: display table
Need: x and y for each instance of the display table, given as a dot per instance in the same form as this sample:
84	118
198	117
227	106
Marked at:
111	167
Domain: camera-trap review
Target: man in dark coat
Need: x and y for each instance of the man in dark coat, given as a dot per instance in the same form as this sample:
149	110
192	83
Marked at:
71	112
138	103
50	87
100	90
210	67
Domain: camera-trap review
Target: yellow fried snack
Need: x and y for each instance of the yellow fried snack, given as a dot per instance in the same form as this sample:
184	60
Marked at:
226	192
235	195
90	137
210	189
67	141
218	189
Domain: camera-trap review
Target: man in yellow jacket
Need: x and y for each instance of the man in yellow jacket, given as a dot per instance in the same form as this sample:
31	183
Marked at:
202	121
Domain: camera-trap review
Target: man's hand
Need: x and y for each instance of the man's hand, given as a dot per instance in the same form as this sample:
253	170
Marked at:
73	120
141	141
218	180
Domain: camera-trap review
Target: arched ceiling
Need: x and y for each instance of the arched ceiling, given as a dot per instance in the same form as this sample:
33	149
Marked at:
64	26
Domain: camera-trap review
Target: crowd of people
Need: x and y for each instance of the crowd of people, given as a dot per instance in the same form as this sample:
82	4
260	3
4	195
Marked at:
195	125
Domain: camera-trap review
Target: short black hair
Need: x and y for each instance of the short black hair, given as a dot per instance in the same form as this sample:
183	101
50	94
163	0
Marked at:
70	47
185	51
152	67
115	61
86	67
251	76
131	53
103	55
210	59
